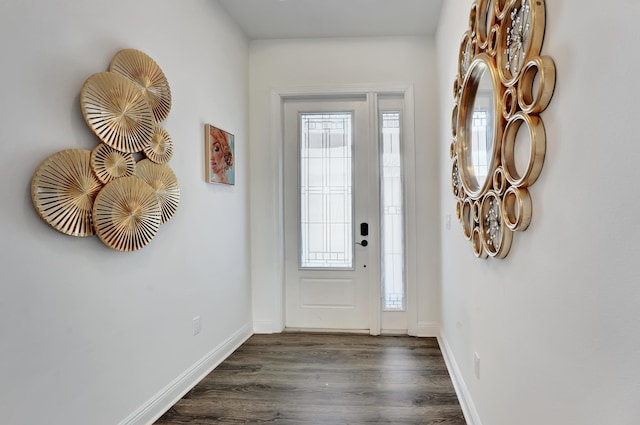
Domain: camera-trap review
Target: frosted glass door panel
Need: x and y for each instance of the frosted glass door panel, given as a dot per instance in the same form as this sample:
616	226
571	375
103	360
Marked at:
393	281
326	191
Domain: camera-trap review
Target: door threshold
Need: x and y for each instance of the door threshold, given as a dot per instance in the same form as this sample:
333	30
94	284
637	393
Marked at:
394	332
327	330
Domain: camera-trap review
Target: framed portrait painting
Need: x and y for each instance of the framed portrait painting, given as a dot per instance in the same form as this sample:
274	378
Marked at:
219	146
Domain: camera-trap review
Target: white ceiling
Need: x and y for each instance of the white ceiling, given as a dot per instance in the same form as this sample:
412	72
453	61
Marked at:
268	19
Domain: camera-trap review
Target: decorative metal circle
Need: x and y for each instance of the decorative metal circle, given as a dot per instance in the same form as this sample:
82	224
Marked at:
509	102
63	190
117	112
454	121
520	37
475	211
517	208
165	184
473	20
110	164
501	7
160	149
466	54
127	214
495	236
484	20
534	98
466	217
476	243
456	184
493	40
499	181
536	151
147	76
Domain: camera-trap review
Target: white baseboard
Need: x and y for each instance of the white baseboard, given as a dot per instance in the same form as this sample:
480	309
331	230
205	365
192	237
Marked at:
464	396
263	327
155	407
425	330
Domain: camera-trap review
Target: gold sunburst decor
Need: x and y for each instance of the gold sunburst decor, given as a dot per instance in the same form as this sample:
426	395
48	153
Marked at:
117	112
163	180
110	164
127	214
160	149
63	189
499	141
103	191
147	76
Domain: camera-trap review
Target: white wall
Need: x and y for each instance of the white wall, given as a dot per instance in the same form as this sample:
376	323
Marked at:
88	335
339	63
556	323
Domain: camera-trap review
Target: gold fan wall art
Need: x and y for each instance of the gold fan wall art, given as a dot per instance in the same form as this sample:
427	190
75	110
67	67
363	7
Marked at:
127	214
147	76
63	190
109	164
162	179
117	112
103	191
160	150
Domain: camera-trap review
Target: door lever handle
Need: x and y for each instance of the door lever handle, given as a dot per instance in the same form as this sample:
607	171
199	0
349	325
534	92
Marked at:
363	243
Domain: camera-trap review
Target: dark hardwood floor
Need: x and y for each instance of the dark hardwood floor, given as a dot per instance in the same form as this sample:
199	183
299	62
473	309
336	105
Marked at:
294	378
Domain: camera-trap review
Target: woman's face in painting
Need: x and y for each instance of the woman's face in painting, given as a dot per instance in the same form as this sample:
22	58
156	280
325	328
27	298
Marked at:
221	157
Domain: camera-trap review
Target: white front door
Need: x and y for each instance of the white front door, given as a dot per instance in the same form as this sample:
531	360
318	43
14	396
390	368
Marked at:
331	210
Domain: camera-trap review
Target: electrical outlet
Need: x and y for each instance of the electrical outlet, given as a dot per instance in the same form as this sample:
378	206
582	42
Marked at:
447	221
196	325
476	365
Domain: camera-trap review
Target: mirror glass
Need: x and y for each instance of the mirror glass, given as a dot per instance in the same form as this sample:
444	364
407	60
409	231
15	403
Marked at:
479	126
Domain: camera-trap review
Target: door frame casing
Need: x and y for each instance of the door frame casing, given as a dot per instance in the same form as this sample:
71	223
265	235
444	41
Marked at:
276	141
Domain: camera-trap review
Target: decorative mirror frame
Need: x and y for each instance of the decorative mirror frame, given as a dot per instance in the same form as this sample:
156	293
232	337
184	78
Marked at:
504	37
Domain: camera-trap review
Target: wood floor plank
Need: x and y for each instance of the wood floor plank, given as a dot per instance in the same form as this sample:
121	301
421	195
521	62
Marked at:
303	378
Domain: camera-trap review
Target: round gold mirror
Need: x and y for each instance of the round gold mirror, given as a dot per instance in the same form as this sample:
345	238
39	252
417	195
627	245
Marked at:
480	124
498	146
